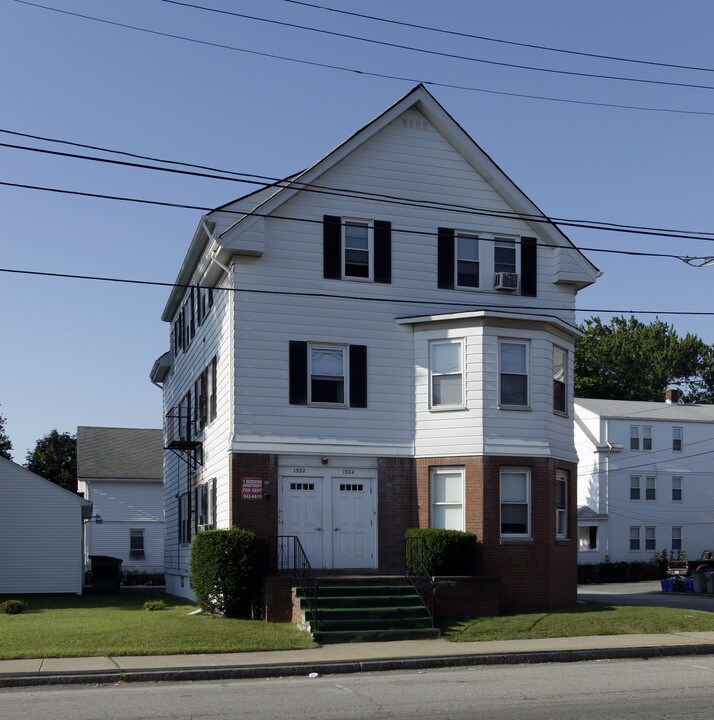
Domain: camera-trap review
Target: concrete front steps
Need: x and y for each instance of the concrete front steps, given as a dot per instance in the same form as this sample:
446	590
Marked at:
368	608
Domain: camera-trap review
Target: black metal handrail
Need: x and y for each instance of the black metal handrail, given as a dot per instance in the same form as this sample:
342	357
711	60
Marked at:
286	554
417	572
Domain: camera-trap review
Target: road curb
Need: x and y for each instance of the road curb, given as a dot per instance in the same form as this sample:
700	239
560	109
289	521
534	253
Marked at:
244	672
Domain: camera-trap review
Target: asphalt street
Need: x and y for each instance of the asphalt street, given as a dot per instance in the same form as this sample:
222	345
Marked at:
644	593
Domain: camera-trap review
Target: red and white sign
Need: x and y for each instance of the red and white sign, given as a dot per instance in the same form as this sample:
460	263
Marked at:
252	488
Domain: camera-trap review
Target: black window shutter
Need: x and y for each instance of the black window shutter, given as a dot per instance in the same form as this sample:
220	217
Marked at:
382	251
446	258
298	372
358	376
529	267
332	247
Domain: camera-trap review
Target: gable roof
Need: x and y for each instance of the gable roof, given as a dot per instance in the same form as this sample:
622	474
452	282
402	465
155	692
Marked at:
269	199
120	453
635	410
10	470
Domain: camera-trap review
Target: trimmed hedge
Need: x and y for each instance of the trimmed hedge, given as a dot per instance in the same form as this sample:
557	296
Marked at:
614	572
225	571
13	607
447	552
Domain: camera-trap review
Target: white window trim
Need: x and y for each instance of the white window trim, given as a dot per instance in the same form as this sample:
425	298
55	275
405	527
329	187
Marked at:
597	541
566	392
516	256
638	549
443	469
345	374
562	476
653	539
528	374
675	439
639	488
462	356
515	536
473	236
369	224
647	435
680	488
635	435
653	478
681	537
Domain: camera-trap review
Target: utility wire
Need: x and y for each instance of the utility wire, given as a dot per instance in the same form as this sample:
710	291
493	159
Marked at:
356	194
476	305
315	221
437	53
384	76
500	41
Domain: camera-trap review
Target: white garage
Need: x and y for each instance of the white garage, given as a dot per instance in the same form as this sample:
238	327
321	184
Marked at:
41	527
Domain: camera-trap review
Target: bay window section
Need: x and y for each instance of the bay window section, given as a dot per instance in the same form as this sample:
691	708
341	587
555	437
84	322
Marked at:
560	394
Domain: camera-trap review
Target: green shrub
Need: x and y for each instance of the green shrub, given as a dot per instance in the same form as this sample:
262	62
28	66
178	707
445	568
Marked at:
141	577
446	552
154	605
614	572
225	571
13	607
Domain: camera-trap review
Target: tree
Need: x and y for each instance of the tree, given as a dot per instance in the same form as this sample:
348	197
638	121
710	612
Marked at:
55	458
5	444
631	360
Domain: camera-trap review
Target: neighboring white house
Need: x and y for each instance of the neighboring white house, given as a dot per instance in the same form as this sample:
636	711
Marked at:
645	478
121	471
40	534
382	341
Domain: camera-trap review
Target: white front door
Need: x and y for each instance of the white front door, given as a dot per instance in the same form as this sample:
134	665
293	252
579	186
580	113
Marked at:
332	513
352	518
302	515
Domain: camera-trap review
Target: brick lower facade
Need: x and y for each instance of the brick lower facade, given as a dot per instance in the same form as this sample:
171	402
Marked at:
537	573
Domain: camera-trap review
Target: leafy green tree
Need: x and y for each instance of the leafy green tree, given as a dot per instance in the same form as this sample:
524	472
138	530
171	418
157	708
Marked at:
630	360
5	444
55	458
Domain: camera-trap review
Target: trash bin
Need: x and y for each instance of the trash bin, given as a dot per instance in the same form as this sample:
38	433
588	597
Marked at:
106	573
699	580
710	581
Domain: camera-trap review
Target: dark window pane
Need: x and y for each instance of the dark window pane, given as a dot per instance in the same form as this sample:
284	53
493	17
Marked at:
514	389
328	390
514	519
467	274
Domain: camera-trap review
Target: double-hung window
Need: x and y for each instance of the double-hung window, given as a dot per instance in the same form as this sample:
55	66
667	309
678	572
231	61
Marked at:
646	437
513	370
676	489
446	491
634	437
561	504
205	505
184	518
560	366
634	487
634	538
677	436
515	493
650	488
136	544
504	255
327	374
446	372
650	538
467	261
676	538
358	249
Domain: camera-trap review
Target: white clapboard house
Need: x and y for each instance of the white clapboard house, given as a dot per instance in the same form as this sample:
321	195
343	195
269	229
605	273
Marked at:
121	471
41	526
382	341
645	478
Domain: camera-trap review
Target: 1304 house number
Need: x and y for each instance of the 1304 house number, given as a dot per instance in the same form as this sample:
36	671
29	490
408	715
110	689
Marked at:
348	472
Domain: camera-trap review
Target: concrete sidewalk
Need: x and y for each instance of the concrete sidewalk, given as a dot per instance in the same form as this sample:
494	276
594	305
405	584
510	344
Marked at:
348	658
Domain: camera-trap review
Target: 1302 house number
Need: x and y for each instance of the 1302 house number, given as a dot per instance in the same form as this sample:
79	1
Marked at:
299	471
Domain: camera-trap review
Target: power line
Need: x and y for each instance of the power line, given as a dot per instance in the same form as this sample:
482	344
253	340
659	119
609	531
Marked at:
500	41
437	53
315	221
357	194
384	76
337	296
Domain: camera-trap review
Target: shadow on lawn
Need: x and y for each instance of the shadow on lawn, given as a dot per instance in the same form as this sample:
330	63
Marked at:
126	599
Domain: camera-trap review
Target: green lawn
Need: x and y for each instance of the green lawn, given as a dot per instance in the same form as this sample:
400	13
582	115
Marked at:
74	626
582	619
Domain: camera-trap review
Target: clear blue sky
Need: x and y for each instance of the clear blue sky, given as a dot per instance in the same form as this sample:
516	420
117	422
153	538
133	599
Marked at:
79	353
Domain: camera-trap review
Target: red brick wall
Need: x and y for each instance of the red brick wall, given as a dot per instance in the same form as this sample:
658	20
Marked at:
536	574
396	510
259	516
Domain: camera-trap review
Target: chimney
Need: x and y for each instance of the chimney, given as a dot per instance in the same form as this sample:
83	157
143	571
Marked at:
671	397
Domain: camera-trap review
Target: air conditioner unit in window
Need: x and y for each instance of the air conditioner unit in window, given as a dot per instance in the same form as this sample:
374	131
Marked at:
506	281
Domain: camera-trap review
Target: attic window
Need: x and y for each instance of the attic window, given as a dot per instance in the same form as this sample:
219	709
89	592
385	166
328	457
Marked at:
415	124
